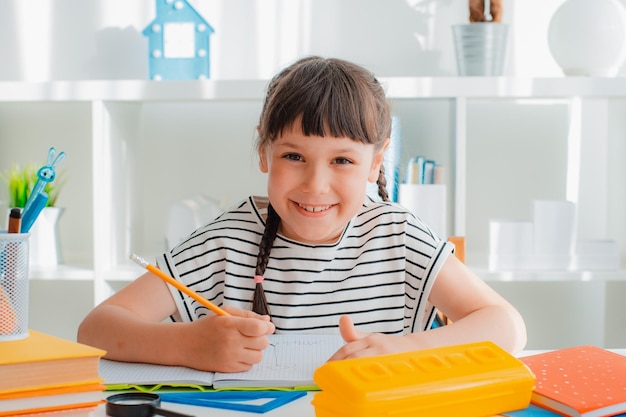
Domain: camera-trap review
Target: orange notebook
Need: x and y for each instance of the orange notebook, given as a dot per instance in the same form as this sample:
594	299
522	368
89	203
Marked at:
44	361
579	381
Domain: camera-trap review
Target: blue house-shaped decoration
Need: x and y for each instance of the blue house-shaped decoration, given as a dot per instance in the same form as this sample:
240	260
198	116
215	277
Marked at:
178	42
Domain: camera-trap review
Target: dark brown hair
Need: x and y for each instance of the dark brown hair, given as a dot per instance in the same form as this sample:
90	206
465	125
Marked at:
328	97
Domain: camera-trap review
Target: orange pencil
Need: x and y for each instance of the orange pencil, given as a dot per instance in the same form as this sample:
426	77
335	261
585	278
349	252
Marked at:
15	219
156	271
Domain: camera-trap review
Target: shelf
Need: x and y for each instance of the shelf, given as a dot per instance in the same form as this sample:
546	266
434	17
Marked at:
504	87
397	88
122	133
550	276
133	90
61	272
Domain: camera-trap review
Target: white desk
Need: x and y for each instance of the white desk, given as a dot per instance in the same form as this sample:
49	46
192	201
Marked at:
299	408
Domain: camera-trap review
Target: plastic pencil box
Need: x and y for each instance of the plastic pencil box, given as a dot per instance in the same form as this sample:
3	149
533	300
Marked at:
469	380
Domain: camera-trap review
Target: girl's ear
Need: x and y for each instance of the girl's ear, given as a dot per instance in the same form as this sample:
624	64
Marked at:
263	165
377	162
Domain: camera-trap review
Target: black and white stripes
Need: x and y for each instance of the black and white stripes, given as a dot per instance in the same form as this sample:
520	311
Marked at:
380	272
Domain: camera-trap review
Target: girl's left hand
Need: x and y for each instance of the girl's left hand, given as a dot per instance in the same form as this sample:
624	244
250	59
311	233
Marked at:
361	344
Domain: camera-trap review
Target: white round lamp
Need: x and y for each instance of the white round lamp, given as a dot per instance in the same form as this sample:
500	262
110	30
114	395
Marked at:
588	37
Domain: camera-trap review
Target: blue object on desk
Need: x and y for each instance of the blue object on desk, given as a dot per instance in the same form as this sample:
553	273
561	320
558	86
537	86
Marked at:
535	411
234	400
532	411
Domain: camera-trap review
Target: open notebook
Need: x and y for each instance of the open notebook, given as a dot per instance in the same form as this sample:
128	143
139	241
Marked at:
289	362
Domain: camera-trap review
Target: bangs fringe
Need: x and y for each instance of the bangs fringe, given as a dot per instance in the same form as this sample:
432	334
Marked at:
326	102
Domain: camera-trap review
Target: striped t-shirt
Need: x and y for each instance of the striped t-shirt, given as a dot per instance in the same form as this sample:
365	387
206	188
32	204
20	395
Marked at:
380	271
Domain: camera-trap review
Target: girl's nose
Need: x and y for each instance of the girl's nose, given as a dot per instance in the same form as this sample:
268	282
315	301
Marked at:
316	179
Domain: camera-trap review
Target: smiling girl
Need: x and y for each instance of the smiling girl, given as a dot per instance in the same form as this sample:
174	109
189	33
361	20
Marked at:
317	255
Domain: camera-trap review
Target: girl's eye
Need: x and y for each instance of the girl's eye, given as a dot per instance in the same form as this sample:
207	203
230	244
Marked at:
293	157
342	161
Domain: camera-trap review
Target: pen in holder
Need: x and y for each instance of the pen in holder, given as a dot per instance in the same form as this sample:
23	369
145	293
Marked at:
39	202
13	286
38	198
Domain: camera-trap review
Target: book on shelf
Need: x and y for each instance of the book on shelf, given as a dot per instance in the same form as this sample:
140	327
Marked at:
289	362
44	361
585	381
70	398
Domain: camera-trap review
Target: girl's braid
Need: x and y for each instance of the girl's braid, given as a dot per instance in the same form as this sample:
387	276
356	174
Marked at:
382	184
259	302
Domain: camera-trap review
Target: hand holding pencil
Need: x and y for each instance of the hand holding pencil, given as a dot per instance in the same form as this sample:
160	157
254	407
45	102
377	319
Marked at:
230	341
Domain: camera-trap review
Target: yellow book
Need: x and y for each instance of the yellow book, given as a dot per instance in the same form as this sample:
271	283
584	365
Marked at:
469	380
69	397
45	361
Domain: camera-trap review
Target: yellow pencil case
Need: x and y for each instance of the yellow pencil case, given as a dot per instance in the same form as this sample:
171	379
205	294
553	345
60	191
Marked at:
469	380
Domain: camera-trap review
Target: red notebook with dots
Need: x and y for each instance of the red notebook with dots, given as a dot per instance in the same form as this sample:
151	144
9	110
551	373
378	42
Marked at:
579	381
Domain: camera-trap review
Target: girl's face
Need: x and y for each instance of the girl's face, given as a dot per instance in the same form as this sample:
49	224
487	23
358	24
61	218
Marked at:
317	184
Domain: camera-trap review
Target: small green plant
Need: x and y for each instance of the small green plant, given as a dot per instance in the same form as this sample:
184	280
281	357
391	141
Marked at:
21	180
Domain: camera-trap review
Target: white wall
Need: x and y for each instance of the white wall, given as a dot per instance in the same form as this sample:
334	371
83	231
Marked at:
44	40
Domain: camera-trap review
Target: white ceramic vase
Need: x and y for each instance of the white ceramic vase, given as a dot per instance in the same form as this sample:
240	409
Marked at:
588	37
44	244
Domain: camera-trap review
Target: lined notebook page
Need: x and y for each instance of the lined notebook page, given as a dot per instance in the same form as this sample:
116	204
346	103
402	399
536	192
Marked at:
289	361
119	373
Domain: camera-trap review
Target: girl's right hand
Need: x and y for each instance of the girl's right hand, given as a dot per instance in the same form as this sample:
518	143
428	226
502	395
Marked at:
227	343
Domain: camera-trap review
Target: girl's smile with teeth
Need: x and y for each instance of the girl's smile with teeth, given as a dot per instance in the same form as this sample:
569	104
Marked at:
313	209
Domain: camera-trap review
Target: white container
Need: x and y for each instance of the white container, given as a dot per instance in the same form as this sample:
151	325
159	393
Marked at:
45	243
510	245
596	255
428	203
554	231
481	48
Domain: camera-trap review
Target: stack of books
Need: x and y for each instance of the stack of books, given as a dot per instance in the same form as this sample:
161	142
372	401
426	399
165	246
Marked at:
43	373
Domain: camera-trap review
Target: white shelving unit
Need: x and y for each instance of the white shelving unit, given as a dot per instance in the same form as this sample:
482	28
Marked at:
134	147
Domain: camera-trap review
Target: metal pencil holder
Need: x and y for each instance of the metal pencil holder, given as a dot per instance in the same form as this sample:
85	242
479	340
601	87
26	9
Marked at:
13	286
